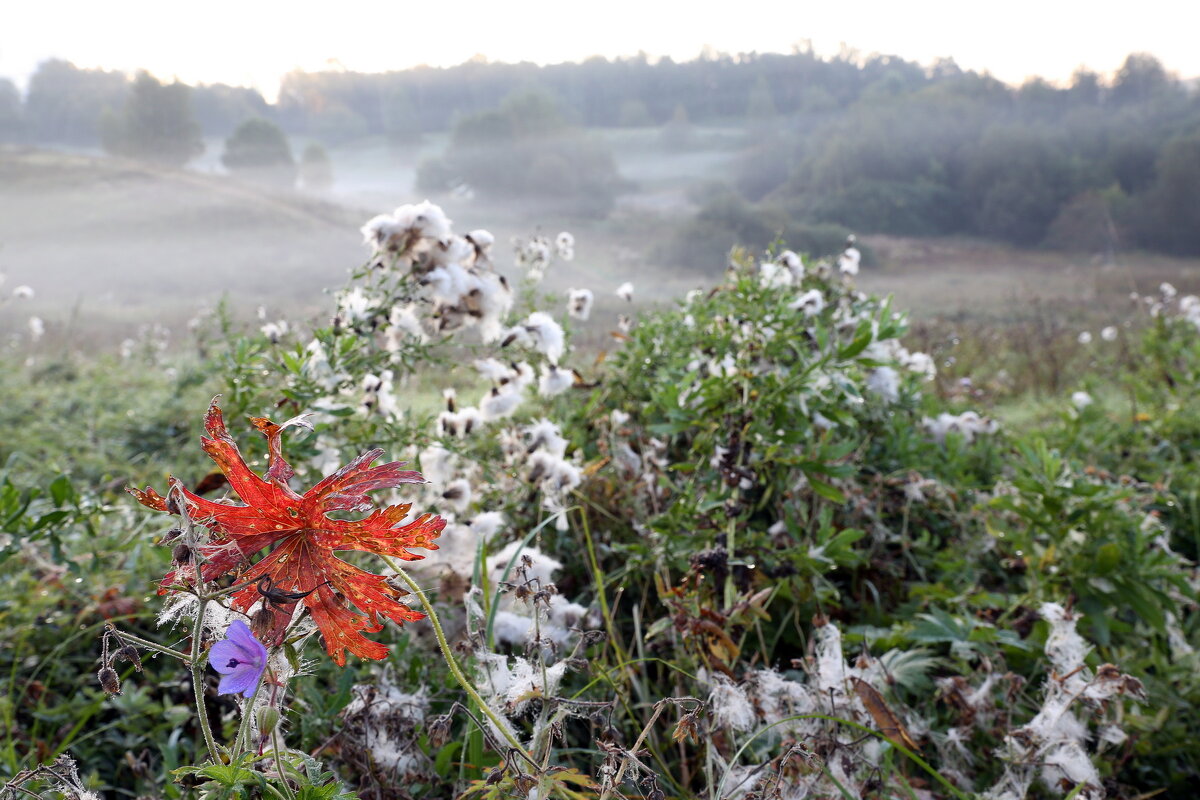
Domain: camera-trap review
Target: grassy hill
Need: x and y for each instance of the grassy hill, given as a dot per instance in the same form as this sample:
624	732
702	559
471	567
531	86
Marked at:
122	243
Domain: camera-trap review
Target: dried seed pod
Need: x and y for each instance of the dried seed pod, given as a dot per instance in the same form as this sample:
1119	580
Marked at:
439	730
594	637
109	681
262	623
129	653
687	727
181	554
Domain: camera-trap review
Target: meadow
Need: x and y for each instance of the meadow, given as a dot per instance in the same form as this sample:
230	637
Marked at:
802	526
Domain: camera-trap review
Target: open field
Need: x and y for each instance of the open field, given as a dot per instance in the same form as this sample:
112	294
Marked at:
109	245
965	278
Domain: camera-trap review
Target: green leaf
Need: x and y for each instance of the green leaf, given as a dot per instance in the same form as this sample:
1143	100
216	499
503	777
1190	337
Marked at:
862	339
445	757
826	490
61	490
1107	558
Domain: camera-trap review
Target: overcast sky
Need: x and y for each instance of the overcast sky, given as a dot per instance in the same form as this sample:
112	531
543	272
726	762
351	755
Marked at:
254	42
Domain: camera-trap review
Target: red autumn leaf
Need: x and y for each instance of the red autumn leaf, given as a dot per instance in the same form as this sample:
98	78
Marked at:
303	538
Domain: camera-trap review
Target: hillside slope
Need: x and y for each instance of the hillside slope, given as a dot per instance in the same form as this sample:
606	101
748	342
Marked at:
122	242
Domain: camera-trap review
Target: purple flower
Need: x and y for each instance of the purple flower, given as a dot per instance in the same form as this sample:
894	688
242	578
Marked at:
240	658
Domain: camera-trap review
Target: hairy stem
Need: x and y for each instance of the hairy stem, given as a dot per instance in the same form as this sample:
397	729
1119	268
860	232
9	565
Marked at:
461	677
198	683
279	763
451	662
241	743
129	638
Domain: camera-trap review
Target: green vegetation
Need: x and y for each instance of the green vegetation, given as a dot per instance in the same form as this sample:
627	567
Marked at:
804	555
876	144
772	537
526	149
156	124
259	150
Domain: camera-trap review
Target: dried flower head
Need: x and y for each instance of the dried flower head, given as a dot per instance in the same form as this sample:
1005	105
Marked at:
109	681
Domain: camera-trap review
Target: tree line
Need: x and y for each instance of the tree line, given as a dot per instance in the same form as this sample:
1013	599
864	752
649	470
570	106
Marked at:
876	144
1095	165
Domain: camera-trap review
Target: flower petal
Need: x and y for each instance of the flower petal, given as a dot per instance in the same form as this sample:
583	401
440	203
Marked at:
243	681
240	658
222	654
252	649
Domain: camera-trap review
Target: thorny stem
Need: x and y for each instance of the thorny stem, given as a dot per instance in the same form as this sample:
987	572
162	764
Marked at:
459	675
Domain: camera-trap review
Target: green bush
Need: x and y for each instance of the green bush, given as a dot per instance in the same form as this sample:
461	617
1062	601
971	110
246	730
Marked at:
756	536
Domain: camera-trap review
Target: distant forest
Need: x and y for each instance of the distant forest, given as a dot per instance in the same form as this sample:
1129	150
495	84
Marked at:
875	144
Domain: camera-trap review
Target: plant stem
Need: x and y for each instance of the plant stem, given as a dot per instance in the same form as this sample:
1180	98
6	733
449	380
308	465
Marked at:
279	764
620	776
198	683
241	743
461	677
149	645
451	662
598	577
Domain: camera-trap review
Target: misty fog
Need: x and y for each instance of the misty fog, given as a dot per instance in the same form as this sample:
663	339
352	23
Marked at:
126	200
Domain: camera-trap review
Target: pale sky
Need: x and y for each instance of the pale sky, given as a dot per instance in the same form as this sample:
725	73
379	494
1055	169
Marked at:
254	42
